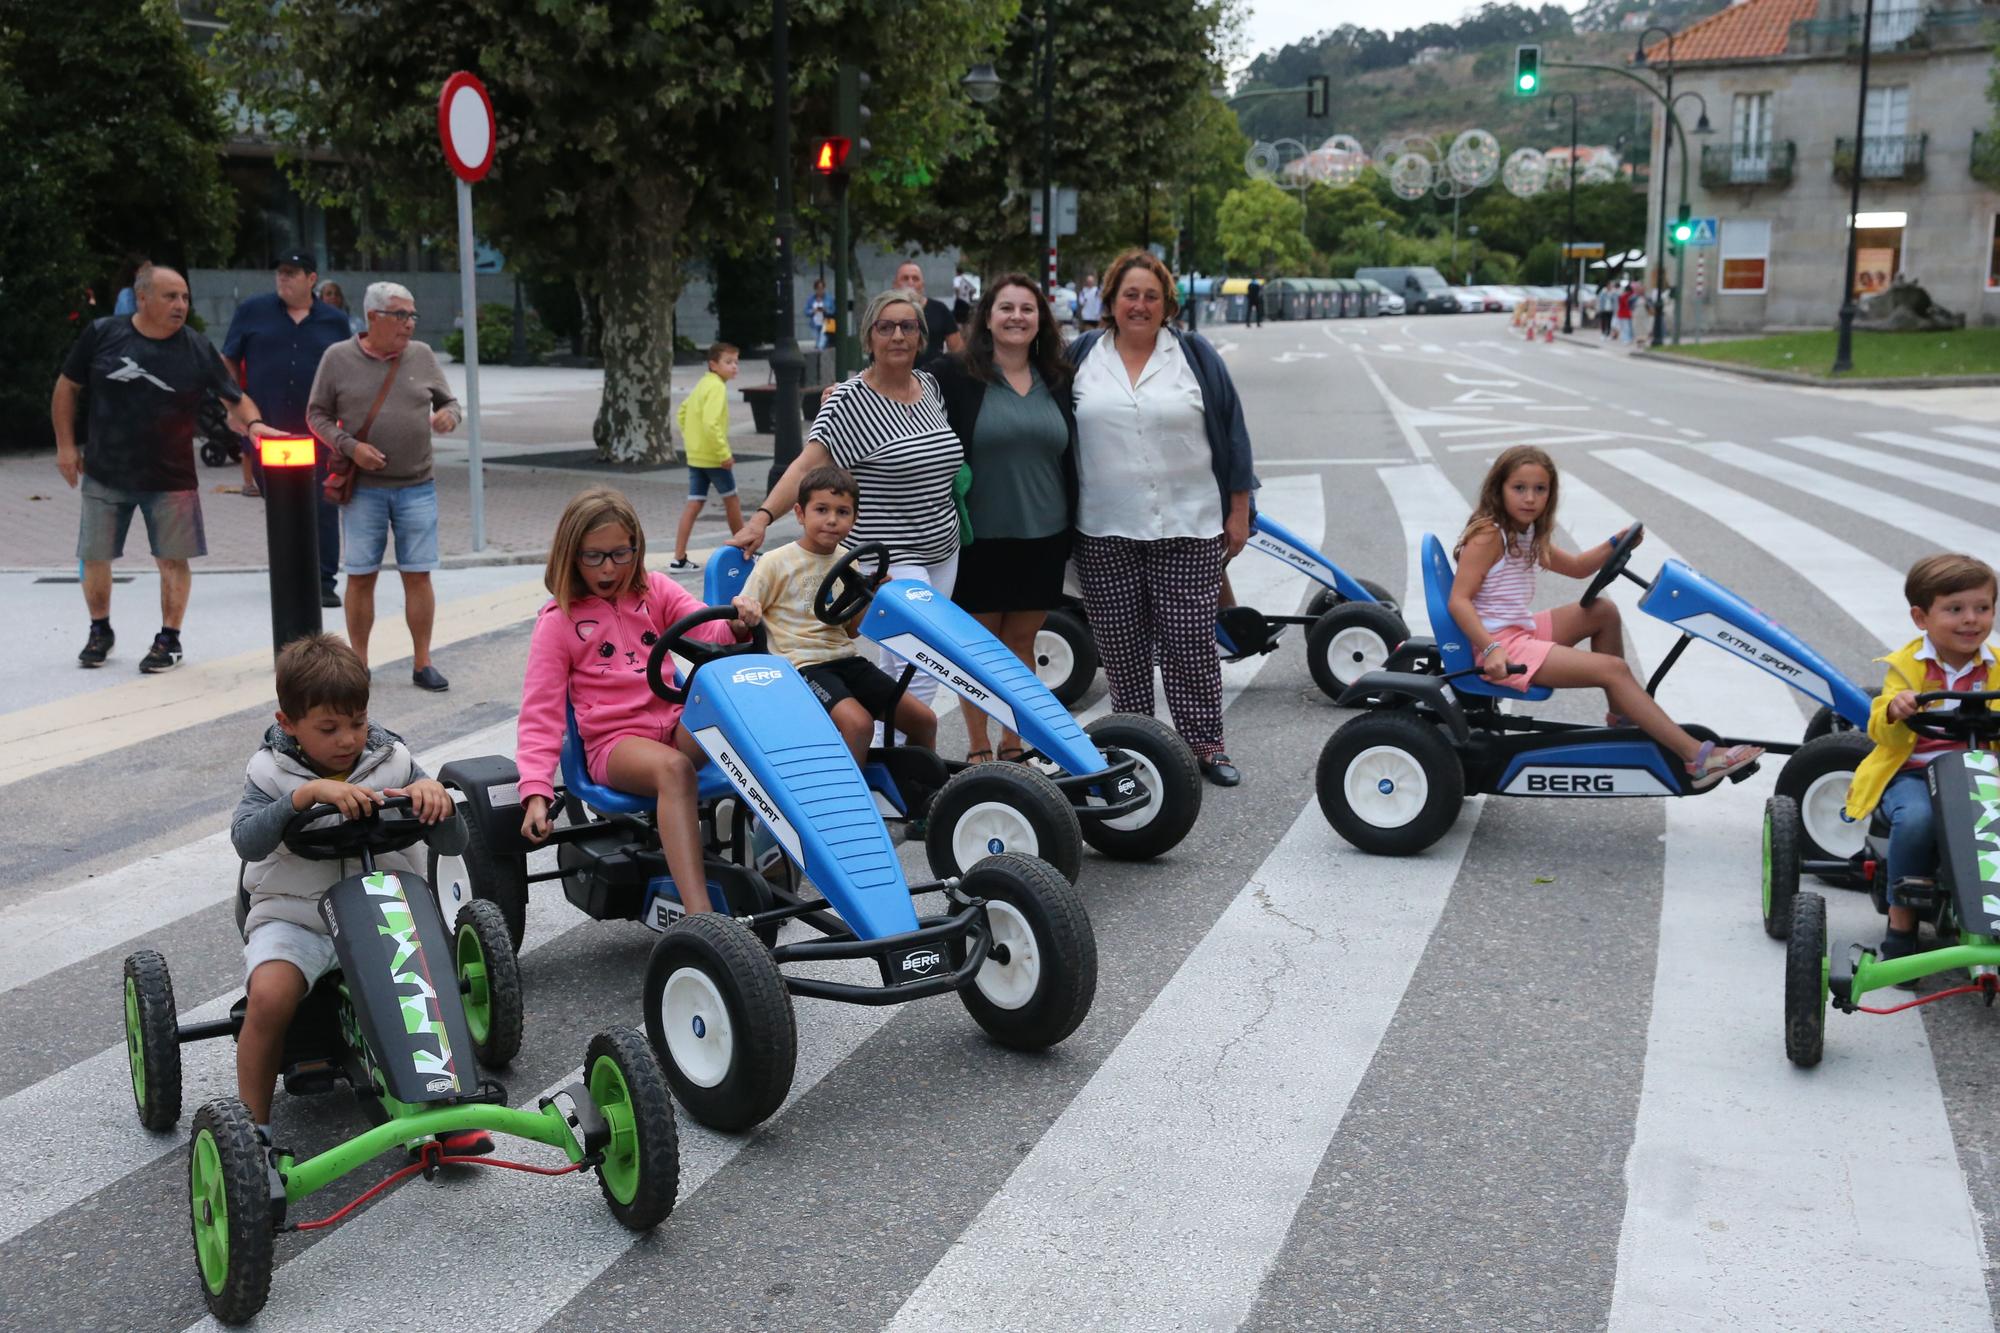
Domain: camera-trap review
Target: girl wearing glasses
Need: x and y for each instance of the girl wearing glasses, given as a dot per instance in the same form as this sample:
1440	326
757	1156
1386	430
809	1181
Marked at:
588	653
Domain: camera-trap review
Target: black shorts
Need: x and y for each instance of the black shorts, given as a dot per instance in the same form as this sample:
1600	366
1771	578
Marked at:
854	678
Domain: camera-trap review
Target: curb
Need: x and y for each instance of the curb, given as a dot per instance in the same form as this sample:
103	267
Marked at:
1826	382
465	560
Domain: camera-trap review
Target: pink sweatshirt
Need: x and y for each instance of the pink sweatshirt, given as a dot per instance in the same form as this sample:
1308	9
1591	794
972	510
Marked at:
595	659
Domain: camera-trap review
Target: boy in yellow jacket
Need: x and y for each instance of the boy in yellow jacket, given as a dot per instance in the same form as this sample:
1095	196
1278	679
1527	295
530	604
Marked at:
704	423
1951	602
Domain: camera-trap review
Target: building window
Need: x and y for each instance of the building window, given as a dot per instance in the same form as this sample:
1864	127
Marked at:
1885	126
1993	259
1745	246
1750	139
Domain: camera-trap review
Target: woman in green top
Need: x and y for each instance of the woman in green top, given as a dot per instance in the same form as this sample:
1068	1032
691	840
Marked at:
1007	397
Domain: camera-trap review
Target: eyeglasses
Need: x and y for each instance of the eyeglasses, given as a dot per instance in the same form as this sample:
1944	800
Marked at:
400	316
592	559
889	328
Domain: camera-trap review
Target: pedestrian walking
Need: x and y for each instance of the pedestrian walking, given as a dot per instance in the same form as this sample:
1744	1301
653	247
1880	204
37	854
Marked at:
941	336
274	345
393	387
1607	305
704	423
816	313
332	293
1254	314
1622	322
1089	303
126	302
1164	482
145	375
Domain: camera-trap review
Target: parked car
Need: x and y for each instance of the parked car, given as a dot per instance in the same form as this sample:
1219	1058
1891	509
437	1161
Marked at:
1423	288
1386	301
1499	298
1470	302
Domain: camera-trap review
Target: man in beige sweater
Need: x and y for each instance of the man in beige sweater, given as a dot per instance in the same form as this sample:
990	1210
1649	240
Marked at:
394	489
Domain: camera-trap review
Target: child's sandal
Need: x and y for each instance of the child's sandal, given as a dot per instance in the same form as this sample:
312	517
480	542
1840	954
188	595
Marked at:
1019	755
1710	765
975	756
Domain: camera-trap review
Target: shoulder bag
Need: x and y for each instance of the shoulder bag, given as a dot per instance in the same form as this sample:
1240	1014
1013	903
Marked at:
338	488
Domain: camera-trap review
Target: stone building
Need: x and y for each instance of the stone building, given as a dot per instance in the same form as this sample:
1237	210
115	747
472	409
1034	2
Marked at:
1779	80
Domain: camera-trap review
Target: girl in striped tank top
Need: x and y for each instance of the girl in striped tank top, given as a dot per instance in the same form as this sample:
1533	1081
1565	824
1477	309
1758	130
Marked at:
1508	539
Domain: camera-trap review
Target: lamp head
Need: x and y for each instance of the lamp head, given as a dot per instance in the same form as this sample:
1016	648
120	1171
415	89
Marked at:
981	83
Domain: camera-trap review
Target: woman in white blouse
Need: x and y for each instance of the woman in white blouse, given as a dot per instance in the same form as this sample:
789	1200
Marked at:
1164	482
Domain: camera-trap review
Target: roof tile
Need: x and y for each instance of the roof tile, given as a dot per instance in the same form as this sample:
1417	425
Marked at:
1743	31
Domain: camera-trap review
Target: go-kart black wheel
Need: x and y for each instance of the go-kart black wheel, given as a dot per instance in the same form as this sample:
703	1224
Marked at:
1824	722
489	980
481	873
151	1045
1817	778
1037	983
229	1193
1390	783
992	808
1348	642
1781	864
1326	599
720	1019
1805	982
641	1171
1168	771
1065	656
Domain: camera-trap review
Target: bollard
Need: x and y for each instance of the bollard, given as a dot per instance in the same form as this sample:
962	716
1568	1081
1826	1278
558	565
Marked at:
291	532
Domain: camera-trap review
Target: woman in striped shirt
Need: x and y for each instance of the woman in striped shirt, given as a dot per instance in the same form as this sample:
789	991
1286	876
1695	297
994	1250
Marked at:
887	426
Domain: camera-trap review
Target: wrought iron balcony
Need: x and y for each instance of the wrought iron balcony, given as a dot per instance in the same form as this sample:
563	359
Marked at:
1985	164
1748	165
1884	157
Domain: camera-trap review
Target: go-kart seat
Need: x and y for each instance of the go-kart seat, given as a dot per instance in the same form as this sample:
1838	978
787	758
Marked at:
727	573
1455	652
709	782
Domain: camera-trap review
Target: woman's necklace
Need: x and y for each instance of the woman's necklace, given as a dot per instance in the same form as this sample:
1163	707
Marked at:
900	394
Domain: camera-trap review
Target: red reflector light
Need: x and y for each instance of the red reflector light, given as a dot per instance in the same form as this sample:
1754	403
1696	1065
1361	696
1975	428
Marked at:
287	450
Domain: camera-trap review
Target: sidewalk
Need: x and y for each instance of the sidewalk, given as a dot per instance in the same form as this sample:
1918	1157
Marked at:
542	414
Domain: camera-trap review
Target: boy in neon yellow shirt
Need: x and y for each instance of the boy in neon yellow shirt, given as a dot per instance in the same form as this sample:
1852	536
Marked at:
704	423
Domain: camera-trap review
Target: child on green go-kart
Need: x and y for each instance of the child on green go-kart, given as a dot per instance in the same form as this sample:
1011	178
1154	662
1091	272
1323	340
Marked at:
1951	602
321	751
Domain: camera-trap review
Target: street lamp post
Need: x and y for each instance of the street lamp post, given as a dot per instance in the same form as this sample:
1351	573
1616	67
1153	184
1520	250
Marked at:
787	366
1048	89
1702	130
1569	228
1843	352
1666	152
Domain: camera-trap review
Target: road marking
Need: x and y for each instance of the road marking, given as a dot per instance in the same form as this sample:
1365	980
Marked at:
1558	407
1917	474
1586	437
1487	384
1659	421
1973	433
1938	448
1691	434
1431	348
1503	370
1392	347
1482	430
1298	982
1488	396
1269	463
1426	503
1399	411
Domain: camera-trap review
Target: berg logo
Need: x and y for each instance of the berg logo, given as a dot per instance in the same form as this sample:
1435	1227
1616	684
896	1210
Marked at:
757	675
918	594
922	962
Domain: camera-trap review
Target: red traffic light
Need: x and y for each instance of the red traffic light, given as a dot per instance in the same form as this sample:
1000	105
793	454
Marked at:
830	155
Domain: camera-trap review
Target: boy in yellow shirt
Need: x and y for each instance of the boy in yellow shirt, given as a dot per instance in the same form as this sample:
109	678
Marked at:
704	423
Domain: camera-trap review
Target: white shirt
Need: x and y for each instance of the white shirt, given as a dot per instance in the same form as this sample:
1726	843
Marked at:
1090	304
1954	680
1144	467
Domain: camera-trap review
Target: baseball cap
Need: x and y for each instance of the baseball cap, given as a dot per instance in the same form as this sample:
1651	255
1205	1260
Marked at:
299	259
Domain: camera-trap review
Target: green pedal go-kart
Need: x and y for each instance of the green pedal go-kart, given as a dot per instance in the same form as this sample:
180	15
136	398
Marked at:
408	1019
1963	907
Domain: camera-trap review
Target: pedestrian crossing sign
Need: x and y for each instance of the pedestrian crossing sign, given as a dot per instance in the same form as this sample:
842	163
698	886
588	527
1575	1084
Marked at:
1704	231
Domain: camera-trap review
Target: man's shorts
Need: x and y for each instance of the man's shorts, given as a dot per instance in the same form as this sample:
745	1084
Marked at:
365	522
173	522
854	678
701	478
284	942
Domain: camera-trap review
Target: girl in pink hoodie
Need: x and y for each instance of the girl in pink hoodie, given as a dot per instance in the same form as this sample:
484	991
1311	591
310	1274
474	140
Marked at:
589	651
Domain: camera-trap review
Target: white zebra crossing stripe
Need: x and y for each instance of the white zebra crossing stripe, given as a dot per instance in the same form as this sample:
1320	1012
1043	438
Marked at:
1985	433
1425	502
1922	444
1953	481
1220	1102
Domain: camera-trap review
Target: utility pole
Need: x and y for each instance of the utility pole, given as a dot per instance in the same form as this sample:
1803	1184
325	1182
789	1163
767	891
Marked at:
787	366
1843	354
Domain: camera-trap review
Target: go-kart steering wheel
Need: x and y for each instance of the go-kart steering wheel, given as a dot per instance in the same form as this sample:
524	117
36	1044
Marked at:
1972	720
389	827
855	589
698	652
1614	564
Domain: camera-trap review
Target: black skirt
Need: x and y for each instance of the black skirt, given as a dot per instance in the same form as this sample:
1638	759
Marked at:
1011	574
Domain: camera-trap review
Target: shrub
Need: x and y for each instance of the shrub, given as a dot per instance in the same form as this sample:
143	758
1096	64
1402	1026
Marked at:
496	336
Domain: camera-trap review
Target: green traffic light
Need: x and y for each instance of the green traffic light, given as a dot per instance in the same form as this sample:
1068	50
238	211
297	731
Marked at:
1527	83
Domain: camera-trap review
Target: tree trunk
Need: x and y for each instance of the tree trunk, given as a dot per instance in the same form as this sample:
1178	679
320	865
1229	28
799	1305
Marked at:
636	302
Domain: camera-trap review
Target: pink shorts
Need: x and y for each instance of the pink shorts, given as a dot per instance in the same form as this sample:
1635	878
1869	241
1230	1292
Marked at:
1528	648
597	754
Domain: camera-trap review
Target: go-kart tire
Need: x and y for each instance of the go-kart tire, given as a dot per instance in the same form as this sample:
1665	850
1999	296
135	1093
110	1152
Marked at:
730	1045
151	1045
1781	864
1824	722
1407	752
502	880
1169	771
229	1196
1065	656
489	980
1326	599
641	1171
992	808
1041	991
1348	642
1817	778
1805	982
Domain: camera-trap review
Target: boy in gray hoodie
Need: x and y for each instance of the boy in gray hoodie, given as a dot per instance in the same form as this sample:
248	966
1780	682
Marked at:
322	750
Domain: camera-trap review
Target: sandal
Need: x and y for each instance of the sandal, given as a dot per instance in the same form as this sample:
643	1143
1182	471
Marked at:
972	756
250	491
1710	765
1020	755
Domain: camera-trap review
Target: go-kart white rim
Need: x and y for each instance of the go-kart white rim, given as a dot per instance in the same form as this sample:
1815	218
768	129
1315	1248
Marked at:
988	829
1011	984
700	1039
1386	786
1823	811
1155	787
1354	652
1054	658
453	885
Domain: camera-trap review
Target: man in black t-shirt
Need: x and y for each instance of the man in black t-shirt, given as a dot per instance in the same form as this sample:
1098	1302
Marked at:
146	375
941	336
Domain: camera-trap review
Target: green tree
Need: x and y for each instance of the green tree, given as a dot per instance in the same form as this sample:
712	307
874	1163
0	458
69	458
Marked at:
1259	228
1332	212
112	141
630	136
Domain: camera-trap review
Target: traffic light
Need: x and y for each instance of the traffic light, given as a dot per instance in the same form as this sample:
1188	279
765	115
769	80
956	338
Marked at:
850	116
830	155
1527	70
1683	226
1316	97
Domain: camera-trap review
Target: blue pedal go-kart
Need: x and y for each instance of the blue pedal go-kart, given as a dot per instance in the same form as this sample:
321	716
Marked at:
1014	942
1352	624
1962	907
409	1020
1126	785
1391	780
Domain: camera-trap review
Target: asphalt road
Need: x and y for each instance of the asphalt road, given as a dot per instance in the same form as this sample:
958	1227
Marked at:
1532	1078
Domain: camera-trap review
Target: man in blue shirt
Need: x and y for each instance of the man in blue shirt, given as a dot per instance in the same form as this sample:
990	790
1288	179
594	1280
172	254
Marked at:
274	345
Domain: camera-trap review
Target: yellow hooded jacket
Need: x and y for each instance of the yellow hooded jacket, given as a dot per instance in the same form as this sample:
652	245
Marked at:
1894	742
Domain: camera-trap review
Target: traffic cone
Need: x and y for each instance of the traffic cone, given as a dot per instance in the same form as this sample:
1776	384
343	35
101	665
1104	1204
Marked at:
1549	332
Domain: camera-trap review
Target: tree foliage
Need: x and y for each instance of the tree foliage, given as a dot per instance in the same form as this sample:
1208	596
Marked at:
1260	228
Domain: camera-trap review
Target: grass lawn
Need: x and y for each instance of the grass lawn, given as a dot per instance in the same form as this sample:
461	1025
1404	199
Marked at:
1960	352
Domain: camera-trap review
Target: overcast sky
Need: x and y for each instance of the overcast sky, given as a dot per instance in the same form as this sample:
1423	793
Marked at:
1274	23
